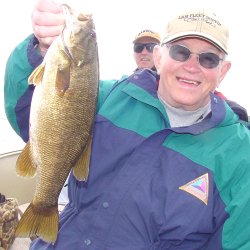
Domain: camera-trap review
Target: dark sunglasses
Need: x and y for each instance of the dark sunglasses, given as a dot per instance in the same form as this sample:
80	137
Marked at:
181	53
138	47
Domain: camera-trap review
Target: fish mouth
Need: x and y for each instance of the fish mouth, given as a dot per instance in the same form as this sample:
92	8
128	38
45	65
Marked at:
67	10
70	16
65	46
68	13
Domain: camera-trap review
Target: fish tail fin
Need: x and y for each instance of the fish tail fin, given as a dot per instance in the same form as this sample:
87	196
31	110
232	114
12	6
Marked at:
81	169
37	222
24	164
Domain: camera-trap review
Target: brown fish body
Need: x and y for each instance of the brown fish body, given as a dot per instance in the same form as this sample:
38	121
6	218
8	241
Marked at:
62	113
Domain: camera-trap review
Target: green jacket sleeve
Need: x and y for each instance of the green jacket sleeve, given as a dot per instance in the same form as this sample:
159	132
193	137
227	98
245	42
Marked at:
17	92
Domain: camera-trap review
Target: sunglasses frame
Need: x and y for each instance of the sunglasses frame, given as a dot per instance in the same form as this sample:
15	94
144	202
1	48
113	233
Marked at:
199	56
149	47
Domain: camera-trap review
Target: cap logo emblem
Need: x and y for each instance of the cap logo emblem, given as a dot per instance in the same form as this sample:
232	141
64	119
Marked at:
200	17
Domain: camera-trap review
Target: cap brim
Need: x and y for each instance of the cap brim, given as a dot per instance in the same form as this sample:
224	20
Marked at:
206	37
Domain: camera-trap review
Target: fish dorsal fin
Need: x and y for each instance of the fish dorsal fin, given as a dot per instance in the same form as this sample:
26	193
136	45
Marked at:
24	165
62	78
37	75
81	169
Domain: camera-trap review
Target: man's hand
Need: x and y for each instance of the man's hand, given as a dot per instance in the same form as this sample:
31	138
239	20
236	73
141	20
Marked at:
47	22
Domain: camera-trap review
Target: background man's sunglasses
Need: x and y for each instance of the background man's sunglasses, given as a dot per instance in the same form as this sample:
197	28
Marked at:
138	47
181	53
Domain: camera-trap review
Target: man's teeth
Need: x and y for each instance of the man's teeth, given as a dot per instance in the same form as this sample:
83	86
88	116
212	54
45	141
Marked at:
190	82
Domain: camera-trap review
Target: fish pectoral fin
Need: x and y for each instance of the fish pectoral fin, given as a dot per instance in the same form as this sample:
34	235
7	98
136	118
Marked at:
24	165
62	79
81	169
37	75
39	222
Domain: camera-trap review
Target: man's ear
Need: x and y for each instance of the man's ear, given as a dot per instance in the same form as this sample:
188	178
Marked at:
157	57
224	69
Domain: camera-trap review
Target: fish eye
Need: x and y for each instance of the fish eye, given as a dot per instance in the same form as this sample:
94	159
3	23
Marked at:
93	34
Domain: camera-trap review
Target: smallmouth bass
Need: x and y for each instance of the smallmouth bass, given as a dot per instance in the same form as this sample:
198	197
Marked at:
62	112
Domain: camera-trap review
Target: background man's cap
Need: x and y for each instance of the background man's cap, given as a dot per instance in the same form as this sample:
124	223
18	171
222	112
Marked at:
201	24
148	33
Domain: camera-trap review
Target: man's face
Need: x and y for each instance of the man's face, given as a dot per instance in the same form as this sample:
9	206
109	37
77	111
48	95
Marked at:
144	59
186	84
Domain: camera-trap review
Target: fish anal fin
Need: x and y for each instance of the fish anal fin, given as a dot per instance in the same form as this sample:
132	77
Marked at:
37	75
24	165
62	79
38	222
81	169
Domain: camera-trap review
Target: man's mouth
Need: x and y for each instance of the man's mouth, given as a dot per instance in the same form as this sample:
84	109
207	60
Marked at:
196	83
145	59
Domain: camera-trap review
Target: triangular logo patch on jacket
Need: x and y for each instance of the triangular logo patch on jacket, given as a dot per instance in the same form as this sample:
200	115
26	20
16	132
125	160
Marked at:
198	187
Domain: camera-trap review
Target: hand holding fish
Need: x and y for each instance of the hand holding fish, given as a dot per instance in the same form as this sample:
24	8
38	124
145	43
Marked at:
47	22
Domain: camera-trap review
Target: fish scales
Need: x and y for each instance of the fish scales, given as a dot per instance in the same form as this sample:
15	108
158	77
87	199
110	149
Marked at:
62	113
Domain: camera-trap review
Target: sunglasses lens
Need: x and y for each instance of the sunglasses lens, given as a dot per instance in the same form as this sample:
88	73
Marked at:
209	60
179	53
150	47
138	48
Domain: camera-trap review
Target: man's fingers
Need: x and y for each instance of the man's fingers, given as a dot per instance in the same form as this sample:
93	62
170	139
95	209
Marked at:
47	31
43	19
48	6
